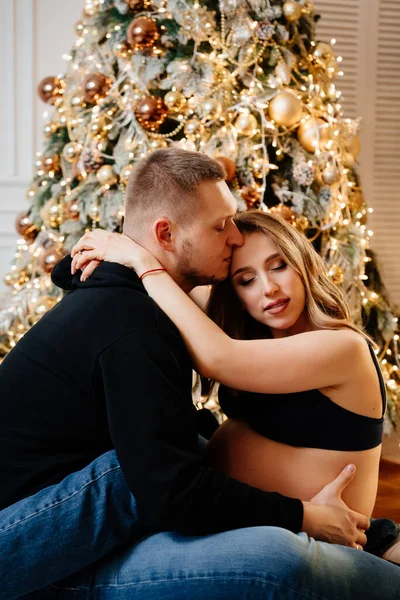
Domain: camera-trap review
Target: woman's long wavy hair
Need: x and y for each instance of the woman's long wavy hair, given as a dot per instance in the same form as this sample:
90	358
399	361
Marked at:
325	304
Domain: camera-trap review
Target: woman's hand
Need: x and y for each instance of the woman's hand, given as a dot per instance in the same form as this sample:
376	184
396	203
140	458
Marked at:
100	245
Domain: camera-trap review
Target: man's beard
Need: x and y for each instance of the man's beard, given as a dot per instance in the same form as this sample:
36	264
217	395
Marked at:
189	275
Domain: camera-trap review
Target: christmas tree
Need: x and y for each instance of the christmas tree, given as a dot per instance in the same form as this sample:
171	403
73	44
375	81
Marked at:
244	81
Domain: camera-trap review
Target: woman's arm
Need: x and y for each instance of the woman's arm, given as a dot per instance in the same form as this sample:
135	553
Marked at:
301	362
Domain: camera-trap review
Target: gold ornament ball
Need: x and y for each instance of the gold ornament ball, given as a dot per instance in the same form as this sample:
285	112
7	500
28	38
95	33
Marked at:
95	87
125	174
175	101
229	166
353	145
49	258
151	112
292	10
285	108
142	33
314	133
246	124
348	160
282	70
323	51
336	274
330	174
258	168
106	176
72	152
211	109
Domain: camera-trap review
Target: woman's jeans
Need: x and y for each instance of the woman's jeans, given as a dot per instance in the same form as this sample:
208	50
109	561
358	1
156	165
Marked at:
85	531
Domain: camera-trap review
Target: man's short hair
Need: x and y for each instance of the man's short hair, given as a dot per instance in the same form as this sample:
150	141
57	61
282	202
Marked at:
164	184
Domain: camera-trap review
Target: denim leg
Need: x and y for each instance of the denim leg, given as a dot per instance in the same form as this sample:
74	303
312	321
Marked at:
246	564
65	527
381	535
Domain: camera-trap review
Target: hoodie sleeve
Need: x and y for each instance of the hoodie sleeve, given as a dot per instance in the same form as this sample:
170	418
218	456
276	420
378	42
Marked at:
153	428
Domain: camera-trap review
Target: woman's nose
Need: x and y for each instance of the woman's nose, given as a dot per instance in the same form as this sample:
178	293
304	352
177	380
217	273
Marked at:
270	287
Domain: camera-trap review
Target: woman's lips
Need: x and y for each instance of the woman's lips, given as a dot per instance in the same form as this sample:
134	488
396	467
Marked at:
278	307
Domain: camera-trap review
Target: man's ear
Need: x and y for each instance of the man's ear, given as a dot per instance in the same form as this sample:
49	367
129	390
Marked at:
163	230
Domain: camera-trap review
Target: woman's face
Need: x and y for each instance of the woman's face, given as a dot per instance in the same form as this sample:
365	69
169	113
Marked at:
269	289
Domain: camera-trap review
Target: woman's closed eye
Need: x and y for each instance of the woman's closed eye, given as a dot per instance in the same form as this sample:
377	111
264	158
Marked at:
279	267
245	282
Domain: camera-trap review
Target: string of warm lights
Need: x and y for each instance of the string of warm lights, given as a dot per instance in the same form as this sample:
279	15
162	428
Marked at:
246	83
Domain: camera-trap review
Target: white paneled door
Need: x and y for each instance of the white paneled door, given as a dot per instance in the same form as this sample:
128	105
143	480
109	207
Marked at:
367	34
34	34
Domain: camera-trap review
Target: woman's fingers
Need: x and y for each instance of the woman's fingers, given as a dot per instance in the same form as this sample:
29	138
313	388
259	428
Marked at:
80	260
89	268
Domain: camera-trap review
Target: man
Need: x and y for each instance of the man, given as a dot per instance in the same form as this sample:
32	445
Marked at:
105	370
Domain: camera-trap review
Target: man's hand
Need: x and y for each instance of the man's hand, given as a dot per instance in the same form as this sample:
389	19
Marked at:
327	517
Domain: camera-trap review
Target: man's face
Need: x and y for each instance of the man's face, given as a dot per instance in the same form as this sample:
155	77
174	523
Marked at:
205	246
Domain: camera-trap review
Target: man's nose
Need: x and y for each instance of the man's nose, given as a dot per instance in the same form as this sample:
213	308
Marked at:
235	237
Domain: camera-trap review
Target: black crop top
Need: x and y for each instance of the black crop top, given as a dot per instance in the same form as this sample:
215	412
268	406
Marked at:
306	419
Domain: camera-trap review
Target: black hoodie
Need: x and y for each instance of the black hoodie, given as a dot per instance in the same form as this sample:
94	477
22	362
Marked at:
104	369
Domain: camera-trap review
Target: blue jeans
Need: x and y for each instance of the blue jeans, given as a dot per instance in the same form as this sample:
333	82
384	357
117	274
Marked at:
87	525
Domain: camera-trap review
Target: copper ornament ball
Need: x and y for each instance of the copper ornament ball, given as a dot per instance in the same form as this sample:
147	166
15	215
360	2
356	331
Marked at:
71	211
142	33
49	258
25	228
151	112
228	165
95	86
49	89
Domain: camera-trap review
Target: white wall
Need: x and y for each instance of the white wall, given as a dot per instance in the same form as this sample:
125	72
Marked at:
34	34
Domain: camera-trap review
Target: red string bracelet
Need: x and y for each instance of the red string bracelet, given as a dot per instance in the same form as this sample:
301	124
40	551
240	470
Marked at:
159	270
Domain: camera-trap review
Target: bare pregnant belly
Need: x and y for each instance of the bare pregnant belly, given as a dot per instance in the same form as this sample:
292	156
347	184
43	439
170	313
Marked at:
243	454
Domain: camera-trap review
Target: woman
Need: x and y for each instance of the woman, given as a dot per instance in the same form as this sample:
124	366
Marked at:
312	395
